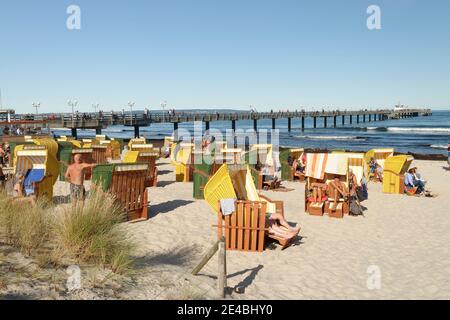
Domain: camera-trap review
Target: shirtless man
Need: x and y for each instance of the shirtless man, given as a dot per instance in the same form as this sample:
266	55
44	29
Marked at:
75	175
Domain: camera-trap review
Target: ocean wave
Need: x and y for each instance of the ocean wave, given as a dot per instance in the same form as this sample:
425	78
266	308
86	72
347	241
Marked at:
418	129
439	146
340	138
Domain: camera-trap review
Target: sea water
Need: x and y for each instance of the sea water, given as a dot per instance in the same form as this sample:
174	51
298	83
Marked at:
424	135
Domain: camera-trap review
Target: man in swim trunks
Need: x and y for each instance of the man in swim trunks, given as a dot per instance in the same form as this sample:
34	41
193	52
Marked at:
75	176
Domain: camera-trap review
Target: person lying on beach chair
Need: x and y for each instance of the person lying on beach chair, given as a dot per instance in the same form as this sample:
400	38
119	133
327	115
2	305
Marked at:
279	227
19	191
336	190
75	176
299	166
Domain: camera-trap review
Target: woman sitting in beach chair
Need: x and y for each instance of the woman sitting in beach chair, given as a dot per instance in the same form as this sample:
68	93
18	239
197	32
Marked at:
376	170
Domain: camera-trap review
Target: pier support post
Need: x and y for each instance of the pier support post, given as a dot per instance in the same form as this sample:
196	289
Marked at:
74	133
303	123
233	125
206	125
289	124
351	119
334	121
255	125
175	126
364	118
98	130
273	124
315	122
370	117
357	118
324	122
343	120
136	131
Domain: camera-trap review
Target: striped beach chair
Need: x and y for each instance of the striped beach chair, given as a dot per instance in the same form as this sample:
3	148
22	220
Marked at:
40	169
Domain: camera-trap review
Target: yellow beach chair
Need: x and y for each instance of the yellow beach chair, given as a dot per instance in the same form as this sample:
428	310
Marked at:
182	158
40	169
395	168
236	182
140	140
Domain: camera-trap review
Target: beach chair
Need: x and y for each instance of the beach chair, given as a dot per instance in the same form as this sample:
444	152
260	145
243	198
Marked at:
288	172
321	171
245	229
99	153
127	183
140	140
112	149
204	169
149	158
380	156
165	150
395	168
236	182
182	159
40	169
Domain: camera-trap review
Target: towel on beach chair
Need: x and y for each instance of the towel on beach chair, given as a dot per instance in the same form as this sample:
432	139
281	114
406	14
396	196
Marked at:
227	206
34	175
315	165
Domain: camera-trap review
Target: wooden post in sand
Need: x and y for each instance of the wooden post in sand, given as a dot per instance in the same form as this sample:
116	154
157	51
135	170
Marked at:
222	274
206	258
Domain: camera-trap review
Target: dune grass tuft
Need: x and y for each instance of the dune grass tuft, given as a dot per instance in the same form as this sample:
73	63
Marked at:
22	224
90	232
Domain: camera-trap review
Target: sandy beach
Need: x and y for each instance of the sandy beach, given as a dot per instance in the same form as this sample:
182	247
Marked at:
402	239
405	237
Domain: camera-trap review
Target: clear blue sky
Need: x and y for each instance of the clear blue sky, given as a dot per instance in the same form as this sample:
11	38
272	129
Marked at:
224	54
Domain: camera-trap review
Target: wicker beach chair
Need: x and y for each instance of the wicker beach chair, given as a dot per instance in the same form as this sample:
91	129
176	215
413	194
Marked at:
127	183
395	168
236	182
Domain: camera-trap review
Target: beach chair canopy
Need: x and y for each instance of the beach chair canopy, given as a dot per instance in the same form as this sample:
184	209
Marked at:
320	164
398	164
357	164
38	160
233	182
181	153
140	140
380	155
141	147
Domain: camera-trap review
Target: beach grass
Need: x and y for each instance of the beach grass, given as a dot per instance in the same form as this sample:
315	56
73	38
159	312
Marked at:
24	225
90	232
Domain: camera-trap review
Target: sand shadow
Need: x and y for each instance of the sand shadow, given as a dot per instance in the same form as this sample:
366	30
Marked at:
167	207
176	257
247	281
446	168
163	184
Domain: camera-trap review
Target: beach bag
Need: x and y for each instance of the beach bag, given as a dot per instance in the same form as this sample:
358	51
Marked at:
362	192
355	209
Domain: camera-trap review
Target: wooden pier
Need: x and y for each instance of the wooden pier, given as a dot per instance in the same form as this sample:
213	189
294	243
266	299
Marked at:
99	121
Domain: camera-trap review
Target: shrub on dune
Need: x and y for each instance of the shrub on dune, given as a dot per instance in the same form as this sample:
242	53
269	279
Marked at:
90	232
